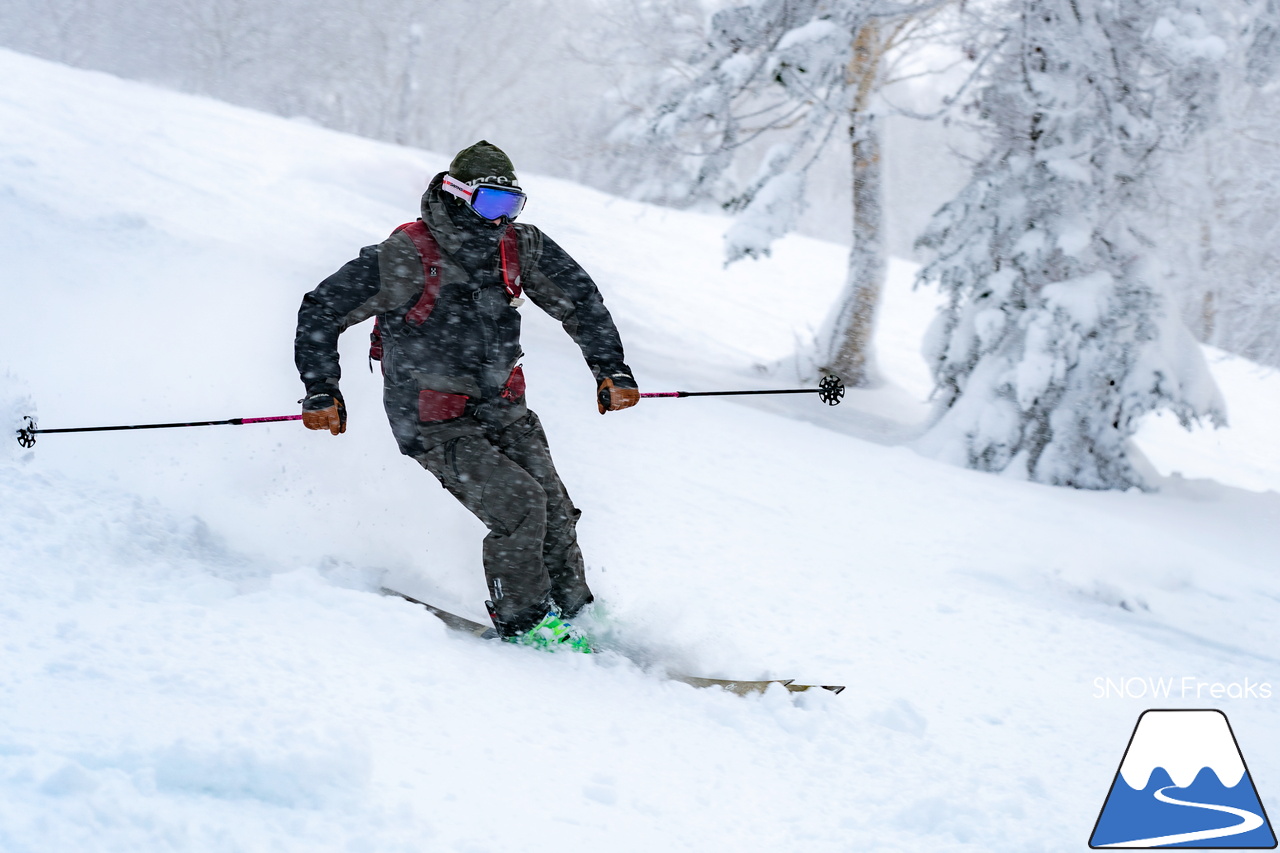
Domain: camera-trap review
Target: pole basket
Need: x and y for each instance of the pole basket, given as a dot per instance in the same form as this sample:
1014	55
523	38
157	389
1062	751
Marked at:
831	390
27	435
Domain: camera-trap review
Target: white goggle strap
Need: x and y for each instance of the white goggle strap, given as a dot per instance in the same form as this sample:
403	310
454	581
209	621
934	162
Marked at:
457	188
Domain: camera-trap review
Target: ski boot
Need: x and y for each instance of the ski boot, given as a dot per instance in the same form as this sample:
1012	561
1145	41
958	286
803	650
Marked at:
552	634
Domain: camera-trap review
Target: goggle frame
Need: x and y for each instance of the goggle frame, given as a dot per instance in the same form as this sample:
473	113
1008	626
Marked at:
482	192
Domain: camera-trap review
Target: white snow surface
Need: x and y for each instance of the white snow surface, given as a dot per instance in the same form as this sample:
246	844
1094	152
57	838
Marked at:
195	657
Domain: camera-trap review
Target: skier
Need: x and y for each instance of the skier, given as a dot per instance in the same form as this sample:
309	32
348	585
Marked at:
445	291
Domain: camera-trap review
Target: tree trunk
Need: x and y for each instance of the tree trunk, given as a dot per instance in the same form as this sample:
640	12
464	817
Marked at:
1208	249
848	351
404	132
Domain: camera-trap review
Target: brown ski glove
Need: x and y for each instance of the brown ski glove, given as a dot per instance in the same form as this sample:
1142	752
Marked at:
325	411
617	392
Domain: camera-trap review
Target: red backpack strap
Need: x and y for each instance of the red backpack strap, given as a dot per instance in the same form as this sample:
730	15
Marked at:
429	252
375	344
509	248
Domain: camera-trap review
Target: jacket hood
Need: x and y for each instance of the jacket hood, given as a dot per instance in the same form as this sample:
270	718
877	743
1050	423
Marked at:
459	231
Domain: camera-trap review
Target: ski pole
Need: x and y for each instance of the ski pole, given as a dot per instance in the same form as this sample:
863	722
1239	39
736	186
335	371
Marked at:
27	435
830	391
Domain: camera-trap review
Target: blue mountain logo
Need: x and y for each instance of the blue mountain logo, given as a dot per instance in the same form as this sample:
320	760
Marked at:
1183	783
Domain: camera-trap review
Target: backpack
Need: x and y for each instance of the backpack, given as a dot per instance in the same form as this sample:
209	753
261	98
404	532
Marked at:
429	251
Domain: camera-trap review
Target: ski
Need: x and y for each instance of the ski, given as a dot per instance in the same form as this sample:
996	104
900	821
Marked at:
740	688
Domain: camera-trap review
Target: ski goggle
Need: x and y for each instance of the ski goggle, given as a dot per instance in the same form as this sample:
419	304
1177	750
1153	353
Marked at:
487	200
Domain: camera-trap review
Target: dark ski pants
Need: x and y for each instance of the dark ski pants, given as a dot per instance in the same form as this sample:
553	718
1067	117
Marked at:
505	476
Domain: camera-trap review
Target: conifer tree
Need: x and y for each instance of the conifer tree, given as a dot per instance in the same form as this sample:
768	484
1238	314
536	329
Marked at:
1057	336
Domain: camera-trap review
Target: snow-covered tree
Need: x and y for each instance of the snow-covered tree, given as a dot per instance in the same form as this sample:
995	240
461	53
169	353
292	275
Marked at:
1057	336
1222	229
400	70
776	81
1221	222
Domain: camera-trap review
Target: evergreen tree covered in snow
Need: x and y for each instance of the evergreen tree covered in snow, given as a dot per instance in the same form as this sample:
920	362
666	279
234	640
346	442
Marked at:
1056	338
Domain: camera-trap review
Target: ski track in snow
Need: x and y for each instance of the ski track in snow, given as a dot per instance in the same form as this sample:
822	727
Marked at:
194	656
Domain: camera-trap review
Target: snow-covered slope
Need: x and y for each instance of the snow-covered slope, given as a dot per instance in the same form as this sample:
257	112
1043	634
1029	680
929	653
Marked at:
193	658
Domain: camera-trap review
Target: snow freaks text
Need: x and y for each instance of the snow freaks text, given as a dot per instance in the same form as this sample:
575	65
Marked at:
1178	687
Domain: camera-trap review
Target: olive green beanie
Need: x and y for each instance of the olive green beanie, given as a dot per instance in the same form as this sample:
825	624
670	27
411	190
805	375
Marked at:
483	161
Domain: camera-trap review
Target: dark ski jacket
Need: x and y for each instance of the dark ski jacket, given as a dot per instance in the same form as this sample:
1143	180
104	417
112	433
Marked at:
470	343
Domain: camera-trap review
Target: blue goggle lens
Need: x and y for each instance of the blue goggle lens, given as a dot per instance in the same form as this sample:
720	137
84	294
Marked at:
496	202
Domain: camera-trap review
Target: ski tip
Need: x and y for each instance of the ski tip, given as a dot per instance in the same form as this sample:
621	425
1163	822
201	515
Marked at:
746	688
800	688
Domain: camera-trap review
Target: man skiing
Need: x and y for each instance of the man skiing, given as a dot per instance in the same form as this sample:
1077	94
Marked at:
445	291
